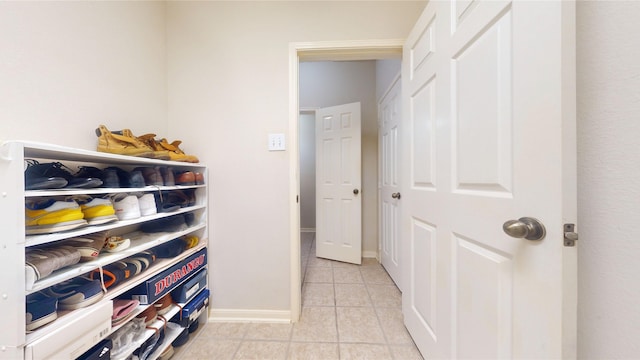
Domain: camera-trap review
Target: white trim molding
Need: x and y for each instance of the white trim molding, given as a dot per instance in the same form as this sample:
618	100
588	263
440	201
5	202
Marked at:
370	254
246	315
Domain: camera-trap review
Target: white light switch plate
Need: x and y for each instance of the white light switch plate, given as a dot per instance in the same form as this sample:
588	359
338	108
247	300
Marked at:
276	142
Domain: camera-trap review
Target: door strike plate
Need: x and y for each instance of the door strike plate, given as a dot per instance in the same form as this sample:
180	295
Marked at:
570	236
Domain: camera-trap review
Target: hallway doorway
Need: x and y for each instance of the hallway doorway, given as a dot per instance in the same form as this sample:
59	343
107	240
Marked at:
324	51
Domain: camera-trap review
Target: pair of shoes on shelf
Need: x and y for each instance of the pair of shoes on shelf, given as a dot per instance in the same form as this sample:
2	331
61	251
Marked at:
119	271
170	249
116	244
123	310
89	245
115	177
108	176
174	199
127	179
123	142
141	261
42	307
170	224
150	345
139	177
167	353
55	175
191	241
134	205
49	215
163	203
189	178
149	315
41	310
127	338
76	293
173	148
114	273
163	304
181	339
157	175
41	262
96	210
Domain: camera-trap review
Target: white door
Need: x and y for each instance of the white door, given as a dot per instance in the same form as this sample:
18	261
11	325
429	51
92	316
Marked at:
338	179
389	112
489	112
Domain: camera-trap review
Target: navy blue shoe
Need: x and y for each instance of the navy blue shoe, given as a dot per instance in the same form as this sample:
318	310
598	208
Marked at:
48	175
170	224
36	178
76	293
170	249
109	177
41	310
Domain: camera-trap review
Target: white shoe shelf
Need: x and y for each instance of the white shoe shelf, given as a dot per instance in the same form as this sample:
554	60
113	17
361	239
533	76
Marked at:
74	332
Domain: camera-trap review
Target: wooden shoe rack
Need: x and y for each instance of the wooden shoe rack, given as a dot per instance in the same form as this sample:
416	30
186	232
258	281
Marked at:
76	331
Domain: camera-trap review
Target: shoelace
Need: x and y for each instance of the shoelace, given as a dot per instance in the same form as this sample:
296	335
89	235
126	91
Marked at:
104	288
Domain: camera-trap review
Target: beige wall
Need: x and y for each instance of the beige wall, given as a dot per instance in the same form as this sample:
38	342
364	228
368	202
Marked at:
66	67
228	79
608	179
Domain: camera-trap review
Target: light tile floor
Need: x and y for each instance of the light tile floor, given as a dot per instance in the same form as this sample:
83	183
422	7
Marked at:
348	312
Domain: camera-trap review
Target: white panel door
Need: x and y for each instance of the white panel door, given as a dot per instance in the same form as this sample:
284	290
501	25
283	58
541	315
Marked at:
389	112
489	135
338	179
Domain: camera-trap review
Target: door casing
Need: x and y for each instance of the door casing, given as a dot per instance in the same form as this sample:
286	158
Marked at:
318	51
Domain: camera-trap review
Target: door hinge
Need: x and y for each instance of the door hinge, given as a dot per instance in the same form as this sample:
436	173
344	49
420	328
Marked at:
570	236
297	199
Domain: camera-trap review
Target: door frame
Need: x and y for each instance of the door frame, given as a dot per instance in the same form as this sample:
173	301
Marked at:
317	51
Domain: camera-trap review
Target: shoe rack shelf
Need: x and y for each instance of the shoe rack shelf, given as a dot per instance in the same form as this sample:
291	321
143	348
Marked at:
171	333
75	328
66	317
33	240
98	191
144	242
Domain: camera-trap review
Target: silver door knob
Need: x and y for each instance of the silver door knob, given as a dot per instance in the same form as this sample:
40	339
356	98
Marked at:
525	227
396	195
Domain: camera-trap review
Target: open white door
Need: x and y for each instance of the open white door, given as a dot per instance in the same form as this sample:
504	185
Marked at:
489	118
338	180
389	112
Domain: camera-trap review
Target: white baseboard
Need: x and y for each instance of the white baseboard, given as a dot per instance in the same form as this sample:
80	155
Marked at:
307	229
370	254
240	315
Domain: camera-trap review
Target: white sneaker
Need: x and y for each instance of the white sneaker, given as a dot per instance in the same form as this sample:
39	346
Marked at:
147	204
126	206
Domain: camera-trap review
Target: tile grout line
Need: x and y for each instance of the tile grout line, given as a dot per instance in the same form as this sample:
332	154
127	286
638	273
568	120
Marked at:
244	334
375	311
335	310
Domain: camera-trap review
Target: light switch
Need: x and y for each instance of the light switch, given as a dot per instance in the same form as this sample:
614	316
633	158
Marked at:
276	142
